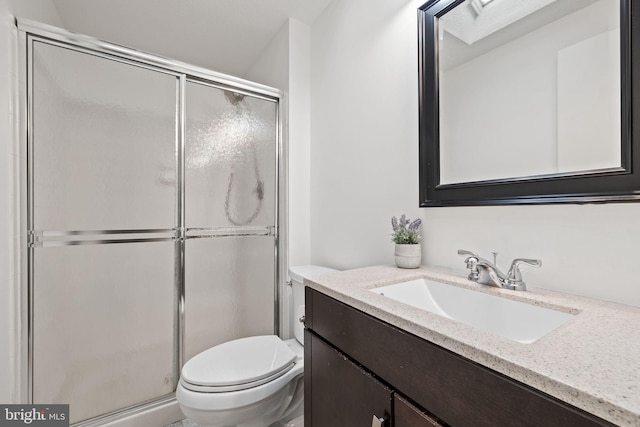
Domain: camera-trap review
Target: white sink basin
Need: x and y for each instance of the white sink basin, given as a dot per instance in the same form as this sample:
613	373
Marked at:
507	318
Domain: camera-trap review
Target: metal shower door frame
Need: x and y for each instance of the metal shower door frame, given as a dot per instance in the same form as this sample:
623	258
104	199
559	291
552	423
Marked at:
28	32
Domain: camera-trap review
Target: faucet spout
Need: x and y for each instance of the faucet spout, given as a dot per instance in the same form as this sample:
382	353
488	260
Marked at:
490	274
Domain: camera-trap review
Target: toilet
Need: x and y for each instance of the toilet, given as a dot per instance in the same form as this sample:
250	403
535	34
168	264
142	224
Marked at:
250	382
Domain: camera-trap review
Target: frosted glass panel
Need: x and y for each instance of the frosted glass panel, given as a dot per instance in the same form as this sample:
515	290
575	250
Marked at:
229	290
104	143
104	325
230	152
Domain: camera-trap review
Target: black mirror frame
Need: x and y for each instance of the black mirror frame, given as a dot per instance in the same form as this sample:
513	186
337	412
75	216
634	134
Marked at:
601	186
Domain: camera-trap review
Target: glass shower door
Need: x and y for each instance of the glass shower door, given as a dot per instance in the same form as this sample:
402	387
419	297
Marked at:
230	215
102	221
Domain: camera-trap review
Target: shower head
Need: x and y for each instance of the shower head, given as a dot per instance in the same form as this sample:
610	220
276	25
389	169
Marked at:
233	97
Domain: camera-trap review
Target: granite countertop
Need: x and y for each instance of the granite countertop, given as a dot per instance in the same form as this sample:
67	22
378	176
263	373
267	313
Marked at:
591	362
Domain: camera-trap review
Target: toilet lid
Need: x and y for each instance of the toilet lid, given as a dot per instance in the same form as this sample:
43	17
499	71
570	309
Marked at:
237	362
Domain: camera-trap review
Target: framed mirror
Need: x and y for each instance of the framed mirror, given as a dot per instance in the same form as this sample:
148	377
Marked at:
525	102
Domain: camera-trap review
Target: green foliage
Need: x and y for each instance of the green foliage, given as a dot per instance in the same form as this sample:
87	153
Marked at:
406	236
405	232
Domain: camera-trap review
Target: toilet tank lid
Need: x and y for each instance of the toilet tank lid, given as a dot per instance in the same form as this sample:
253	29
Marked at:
301	272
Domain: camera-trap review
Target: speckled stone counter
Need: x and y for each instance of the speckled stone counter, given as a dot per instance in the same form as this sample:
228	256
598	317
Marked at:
592	361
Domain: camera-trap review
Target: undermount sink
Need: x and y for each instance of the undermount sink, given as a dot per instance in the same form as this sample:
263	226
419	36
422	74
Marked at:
515	320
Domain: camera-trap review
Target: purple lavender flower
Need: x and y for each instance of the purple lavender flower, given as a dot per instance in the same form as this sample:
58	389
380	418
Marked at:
405	231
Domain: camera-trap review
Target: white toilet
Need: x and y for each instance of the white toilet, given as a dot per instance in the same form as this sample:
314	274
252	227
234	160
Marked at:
249	382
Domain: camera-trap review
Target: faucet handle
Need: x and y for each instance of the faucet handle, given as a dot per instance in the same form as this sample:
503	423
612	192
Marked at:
514	277
532	262
472	264
465	252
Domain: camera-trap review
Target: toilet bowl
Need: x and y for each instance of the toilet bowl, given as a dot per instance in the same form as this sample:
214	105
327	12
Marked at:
249	382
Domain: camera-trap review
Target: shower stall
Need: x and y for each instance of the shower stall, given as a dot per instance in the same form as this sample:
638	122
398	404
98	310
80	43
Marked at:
151	217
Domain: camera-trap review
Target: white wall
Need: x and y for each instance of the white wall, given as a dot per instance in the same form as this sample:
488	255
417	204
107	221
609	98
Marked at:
365	169
586	118
43	11
364	110
299	143
272	67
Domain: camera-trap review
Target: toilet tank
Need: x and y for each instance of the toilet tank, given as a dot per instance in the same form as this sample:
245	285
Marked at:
297	275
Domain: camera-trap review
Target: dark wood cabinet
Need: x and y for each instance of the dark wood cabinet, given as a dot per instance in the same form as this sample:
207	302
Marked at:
405	414
340	393
428	385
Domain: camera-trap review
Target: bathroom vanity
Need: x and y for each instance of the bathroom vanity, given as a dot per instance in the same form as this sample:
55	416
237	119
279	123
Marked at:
367	356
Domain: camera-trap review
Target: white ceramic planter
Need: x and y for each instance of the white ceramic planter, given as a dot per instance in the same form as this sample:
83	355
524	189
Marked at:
408	256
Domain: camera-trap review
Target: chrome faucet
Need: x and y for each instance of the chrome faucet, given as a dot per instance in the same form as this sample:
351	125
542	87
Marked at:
487	273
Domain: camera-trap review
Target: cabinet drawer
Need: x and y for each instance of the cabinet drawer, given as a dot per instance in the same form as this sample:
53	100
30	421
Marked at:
456	390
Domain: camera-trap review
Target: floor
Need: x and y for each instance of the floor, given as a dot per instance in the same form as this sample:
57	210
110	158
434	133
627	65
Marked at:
298	422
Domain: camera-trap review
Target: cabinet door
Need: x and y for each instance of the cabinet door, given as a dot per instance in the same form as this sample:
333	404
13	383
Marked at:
339	393
407	415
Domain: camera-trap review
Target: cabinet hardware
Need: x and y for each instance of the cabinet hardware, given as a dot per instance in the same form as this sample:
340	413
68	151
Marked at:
378	422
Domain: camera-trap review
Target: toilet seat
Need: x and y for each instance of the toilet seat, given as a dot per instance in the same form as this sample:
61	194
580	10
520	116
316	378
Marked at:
238	365
197	400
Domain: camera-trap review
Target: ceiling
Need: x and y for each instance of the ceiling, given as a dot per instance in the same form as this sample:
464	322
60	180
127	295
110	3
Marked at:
223	35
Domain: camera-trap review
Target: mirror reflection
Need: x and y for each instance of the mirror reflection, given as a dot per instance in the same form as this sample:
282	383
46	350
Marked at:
528	88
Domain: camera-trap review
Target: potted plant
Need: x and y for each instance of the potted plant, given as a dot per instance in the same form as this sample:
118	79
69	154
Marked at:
406	235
